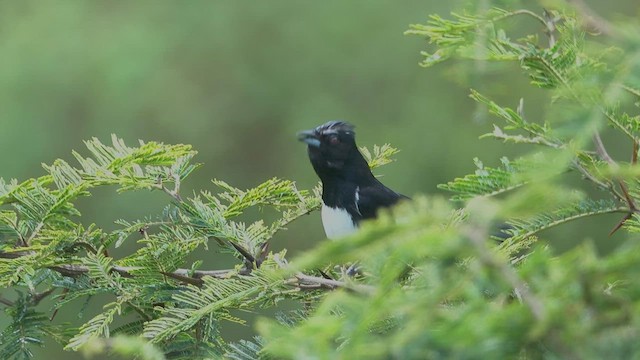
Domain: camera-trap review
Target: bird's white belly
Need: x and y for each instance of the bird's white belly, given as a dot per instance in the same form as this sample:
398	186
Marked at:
336	222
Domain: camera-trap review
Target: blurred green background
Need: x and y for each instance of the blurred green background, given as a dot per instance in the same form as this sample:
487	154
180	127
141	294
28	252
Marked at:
237	80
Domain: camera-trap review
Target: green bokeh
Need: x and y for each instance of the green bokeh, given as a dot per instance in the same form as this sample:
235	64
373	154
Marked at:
237	80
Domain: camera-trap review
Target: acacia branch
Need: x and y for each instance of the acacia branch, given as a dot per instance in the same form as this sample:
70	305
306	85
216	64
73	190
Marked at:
26	242
194	277
304	279
602	151
5	301
594	179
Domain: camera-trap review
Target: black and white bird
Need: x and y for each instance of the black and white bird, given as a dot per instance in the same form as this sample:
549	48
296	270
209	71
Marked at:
350	192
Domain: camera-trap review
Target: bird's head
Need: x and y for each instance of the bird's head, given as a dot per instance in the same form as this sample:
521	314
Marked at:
332	148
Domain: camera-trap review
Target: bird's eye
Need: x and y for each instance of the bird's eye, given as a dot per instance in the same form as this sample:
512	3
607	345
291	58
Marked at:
333	140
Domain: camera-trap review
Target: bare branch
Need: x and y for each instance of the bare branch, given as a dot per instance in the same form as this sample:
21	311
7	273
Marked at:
602	151
6	302
194	277
332	284
37	297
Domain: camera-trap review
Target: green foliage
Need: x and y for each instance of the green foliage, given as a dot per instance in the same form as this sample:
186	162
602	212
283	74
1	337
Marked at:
425	280
180	309
28	328
465	294
212	301
129	346
487	181
437	287
247	350
520	229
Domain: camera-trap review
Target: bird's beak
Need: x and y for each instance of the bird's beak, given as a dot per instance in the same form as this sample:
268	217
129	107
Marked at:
310	137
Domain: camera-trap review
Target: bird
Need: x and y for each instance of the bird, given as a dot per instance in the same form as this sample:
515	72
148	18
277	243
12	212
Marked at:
350	192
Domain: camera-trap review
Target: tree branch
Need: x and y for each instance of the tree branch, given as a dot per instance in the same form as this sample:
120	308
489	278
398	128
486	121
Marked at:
37	297
332	284
194	277
6	302
27	242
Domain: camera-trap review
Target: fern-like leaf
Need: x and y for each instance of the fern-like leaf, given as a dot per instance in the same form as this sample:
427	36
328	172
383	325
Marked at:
519	230
28	329
215	297
487	181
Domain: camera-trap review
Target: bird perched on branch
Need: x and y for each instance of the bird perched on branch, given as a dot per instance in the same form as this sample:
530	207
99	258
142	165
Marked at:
350	192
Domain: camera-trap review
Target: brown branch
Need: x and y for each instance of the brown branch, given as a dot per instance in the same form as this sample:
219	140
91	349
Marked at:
72	270
249	259
63	296
593	179
194	277
602	151
620	223
15	254
6	302
172	193
37	297
332	284
264	252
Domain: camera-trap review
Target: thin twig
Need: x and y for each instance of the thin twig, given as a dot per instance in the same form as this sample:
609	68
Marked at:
188	276
37	297
592	178
602	151
194	277
73	270
26	242
62	296
550	24
620	223
530	13
173	193
6	302
332	284
249	260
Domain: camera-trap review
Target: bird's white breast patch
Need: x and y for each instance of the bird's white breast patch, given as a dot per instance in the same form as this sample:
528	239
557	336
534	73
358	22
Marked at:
336	222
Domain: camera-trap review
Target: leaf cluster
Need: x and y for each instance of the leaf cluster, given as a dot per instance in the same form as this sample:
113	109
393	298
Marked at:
46	251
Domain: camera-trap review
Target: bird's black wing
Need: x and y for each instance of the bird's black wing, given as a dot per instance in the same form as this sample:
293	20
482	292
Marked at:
372	198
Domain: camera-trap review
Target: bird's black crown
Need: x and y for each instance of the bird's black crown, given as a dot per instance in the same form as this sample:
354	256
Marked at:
335	127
